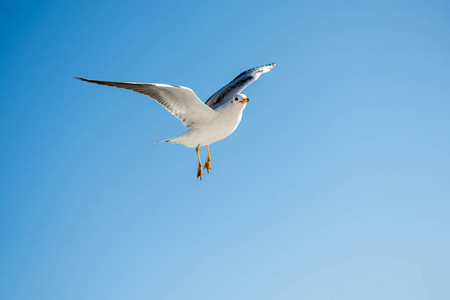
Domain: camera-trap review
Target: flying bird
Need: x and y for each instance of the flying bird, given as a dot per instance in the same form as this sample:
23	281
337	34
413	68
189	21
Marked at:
207	122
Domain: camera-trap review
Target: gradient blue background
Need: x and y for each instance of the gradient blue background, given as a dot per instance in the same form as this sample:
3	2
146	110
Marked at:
336	184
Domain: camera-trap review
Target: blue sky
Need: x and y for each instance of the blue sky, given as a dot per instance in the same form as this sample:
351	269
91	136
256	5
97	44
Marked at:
334	186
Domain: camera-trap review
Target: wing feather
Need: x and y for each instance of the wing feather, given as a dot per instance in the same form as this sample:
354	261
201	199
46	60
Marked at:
237	85
178	100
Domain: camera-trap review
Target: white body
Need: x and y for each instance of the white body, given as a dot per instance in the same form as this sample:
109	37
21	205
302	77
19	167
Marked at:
226	119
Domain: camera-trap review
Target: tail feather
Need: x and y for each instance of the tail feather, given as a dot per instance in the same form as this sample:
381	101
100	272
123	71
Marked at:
165	141
174	140
168	141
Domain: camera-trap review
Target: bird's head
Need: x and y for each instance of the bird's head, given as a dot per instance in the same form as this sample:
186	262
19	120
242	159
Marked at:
240	99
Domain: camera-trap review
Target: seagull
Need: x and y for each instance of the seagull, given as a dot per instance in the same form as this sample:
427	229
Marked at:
207	122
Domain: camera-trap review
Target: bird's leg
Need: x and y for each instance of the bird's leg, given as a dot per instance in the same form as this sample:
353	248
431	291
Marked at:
199	170
208	161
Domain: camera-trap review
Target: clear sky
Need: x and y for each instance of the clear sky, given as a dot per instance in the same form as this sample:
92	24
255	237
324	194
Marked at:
335	185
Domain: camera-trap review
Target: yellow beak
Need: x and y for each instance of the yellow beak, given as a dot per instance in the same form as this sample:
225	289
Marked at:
245	100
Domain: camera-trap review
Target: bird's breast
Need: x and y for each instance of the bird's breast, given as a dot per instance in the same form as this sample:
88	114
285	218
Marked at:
221	127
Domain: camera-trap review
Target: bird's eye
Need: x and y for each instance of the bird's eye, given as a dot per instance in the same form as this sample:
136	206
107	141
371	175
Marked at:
236	99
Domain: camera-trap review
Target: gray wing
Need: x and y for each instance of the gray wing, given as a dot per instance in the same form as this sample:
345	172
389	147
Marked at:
237	85
178	100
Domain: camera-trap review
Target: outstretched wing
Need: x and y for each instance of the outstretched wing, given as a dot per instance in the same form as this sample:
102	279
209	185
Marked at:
237	85
178	100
